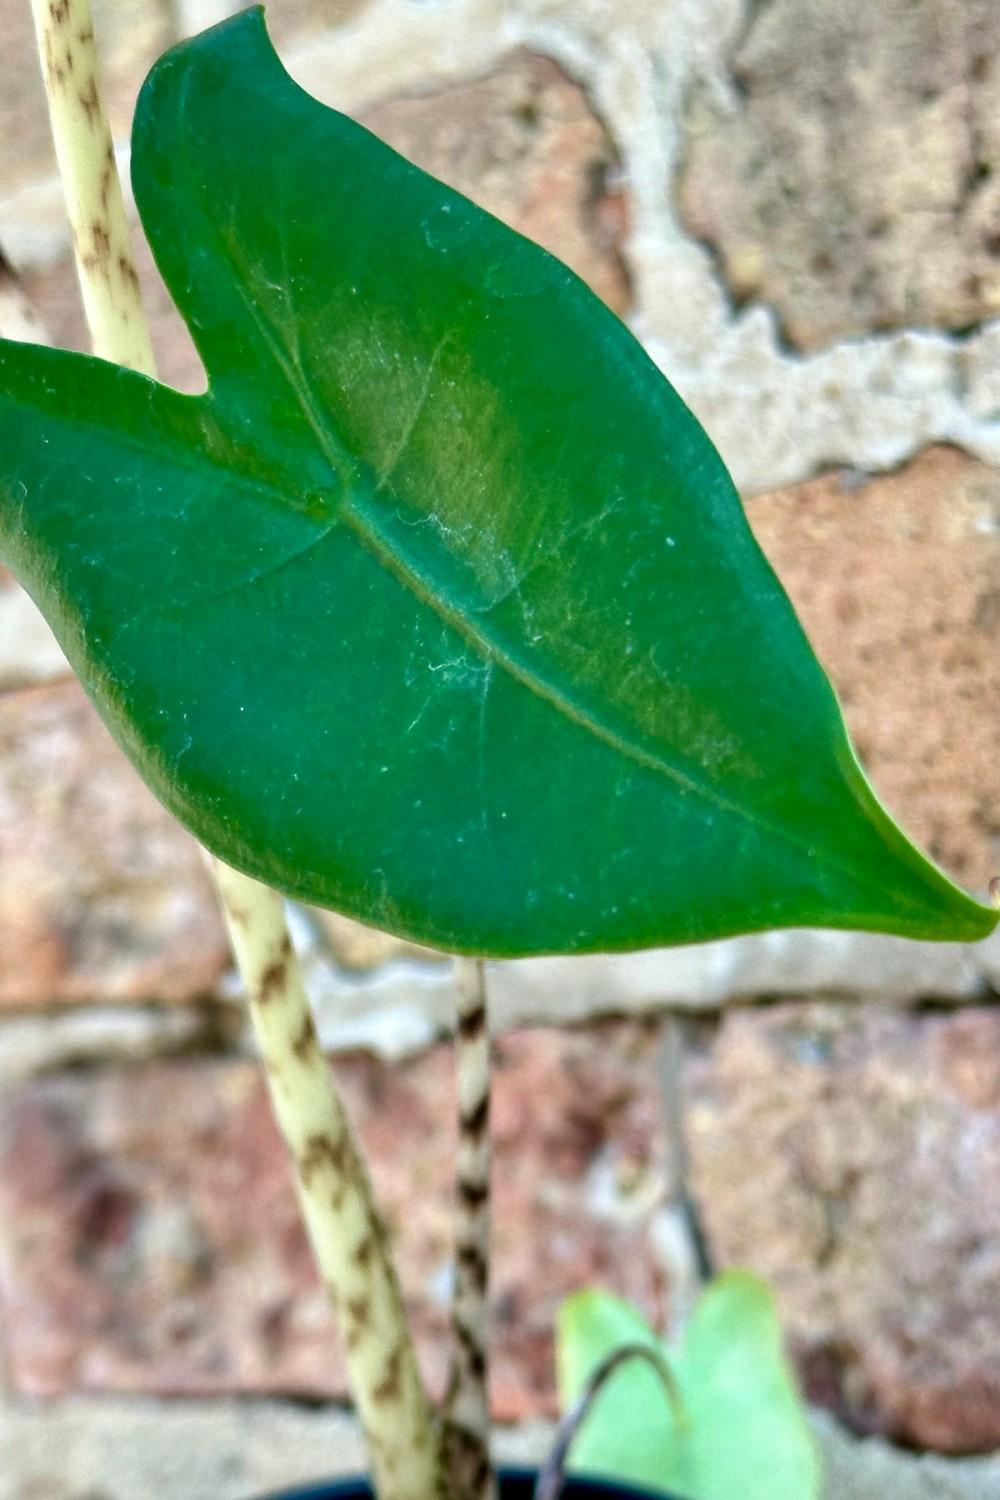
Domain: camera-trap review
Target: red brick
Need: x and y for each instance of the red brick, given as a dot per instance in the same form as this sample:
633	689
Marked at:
853	1159
897	581
102	895
149	1238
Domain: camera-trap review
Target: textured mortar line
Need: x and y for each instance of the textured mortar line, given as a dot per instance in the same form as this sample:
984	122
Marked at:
346	1233
129	1447
468	1405
121	1446
867	403
33	1044
404	1005
854	403
871	404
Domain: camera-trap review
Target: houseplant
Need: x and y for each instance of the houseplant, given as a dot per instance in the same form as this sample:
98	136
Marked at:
438	608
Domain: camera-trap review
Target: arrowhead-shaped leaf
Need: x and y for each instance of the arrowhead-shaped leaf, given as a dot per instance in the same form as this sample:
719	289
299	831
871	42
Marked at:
746	1434
439	607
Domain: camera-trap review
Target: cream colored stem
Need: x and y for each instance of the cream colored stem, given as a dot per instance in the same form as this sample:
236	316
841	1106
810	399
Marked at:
346	1233
468	1413
101	240
333	1187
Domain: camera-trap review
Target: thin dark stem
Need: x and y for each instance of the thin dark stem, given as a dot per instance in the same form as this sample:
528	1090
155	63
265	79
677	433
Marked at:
468	1409
552	1475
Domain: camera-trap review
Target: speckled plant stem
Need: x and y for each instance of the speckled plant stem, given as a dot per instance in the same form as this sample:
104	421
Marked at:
347	1236
345	1230
92	191
468	1412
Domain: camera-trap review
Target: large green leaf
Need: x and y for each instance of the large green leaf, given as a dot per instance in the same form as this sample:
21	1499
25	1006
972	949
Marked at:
746	1434
439	607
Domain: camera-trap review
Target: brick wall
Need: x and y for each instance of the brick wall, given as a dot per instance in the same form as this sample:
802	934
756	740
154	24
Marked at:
797	207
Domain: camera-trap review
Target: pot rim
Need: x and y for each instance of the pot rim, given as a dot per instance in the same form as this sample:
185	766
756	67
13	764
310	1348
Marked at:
356	1486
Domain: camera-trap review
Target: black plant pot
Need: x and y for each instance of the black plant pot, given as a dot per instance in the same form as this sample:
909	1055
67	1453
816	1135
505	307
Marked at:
515	1484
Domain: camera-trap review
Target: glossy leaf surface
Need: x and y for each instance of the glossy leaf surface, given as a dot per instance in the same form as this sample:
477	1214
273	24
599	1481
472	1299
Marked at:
746	1432
439	607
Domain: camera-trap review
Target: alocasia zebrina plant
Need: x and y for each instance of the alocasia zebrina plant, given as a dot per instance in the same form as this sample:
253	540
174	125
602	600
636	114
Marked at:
438	607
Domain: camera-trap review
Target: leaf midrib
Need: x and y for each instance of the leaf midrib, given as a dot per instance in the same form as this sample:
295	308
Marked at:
362	521
364	526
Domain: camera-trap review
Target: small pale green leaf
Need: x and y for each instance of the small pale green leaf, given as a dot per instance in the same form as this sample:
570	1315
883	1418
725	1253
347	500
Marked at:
438	607
631	1432
746	1434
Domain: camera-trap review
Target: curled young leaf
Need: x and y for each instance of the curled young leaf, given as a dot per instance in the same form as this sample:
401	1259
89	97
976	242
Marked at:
438	607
